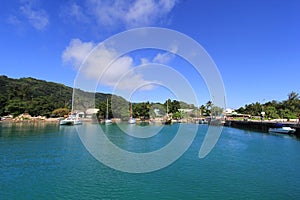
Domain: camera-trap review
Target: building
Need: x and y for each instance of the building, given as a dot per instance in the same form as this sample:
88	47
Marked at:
89	113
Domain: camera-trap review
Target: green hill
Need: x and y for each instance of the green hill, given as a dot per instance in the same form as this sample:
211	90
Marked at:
36	97
39	97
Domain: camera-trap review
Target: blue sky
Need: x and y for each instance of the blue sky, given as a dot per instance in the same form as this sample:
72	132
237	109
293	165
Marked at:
255	44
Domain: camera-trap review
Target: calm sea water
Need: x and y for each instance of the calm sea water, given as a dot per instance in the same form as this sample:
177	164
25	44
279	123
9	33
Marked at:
45	161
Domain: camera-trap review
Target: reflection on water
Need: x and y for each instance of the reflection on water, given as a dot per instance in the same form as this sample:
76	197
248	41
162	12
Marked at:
12	129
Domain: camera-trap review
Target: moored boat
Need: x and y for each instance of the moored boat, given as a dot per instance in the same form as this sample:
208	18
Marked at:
131	119
167	120
70	120
107	120
284	130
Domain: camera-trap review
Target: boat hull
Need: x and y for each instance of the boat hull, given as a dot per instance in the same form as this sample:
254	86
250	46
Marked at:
168	122
108	121
70	122
131	121
283	130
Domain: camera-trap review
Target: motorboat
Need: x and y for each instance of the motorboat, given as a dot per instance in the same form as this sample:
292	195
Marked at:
284	130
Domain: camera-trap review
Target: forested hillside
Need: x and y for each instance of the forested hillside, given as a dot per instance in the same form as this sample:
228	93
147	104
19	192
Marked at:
36	97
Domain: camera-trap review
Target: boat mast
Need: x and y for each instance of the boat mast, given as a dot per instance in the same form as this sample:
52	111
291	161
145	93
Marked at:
167	108
107	108
73	95
130	110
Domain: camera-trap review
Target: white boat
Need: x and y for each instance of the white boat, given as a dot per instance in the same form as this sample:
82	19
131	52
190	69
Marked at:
107	121
131	119
285	130
73	118
70	120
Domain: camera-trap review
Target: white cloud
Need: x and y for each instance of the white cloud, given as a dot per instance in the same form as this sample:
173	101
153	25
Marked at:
98	64
165	58
13	20
144	61
143	13
123	13
140	13
108	13
77	12
74	13
76	52
38	18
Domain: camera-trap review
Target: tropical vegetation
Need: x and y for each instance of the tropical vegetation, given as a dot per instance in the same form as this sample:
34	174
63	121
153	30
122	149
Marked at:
36	97
286	109
42	98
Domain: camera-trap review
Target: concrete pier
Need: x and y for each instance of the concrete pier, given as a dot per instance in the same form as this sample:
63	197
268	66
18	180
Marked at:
261	125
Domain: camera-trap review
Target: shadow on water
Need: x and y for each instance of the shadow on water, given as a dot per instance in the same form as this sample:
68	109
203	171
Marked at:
264	133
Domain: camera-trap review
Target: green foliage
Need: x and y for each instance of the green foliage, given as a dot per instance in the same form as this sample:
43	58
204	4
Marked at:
120	107
141	110
103	109
216	111
174	106
271	112
33	96
253	109
203	111
60	112
177	115
36	97
288	109
15	107
210	109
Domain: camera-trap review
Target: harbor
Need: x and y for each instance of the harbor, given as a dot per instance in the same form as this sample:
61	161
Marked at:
55	158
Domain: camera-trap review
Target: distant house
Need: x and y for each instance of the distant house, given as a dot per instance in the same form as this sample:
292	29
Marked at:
80	114
229	111
157	112
89	113
186	110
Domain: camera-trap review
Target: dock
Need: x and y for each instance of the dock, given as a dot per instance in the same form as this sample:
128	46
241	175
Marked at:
262	126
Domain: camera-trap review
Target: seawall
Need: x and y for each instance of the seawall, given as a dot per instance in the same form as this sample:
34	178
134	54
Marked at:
260	125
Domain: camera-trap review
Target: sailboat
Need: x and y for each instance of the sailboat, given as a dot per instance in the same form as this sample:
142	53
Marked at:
73	118
107	121
131	119
168	119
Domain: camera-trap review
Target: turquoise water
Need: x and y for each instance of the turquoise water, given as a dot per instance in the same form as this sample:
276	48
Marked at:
46	161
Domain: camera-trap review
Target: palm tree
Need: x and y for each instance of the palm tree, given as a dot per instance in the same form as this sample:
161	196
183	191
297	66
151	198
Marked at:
293	96
208	107
202	110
